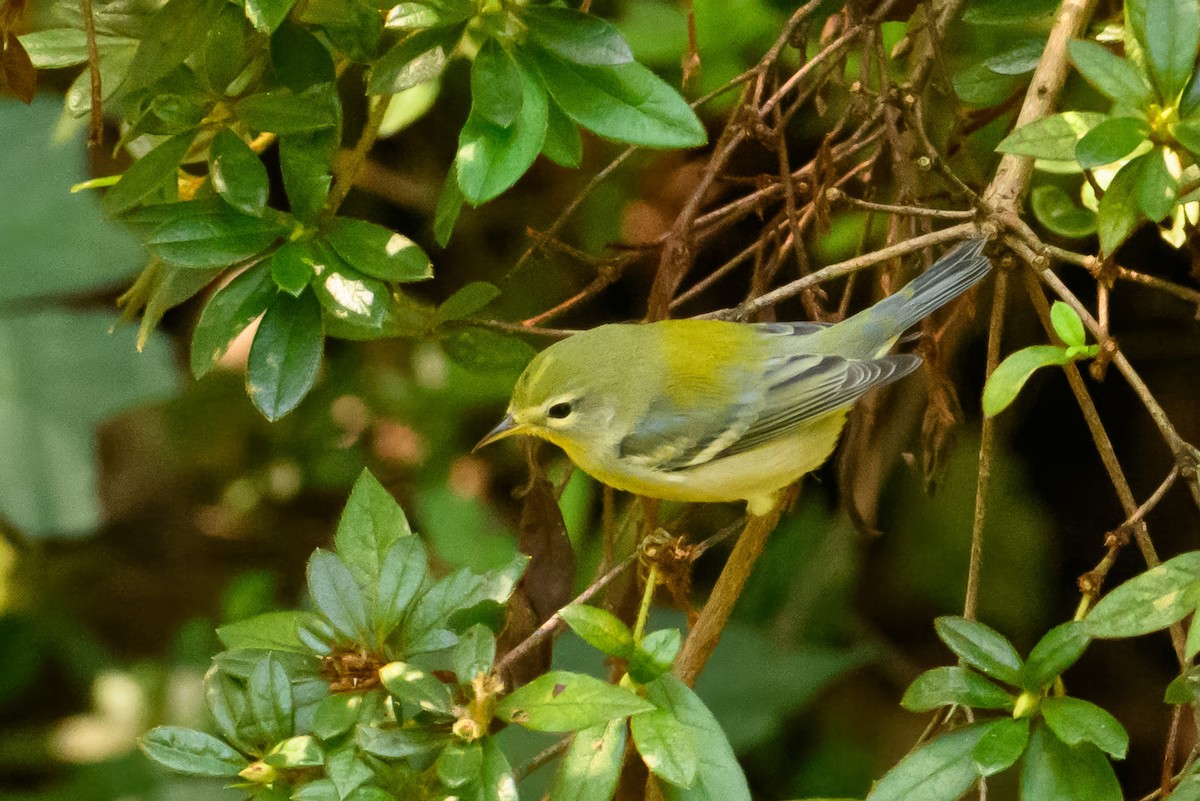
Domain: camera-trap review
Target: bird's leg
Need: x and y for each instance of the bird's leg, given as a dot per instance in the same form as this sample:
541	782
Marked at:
704	636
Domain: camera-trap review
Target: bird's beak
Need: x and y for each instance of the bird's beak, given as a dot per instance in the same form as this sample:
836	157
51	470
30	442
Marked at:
507	427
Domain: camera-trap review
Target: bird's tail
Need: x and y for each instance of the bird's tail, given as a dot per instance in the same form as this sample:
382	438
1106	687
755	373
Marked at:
875	329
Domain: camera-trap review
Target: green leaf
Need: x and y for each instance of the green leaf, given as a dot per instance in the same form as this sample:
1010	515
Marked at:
1111	140
1076	721
426	627
401	574
237	173
1053	771
346	768
1156	186
153	177
563	144
980	646
655	655
1020	59
944	686
475	653
377	251
592	764
319	790
1119	213
336	714
57	228
1154	600
271	702
285	355
599	628
1192	646
459	763
466	301
273	631
496	778
419	58
62	373
348	295
370	525
719	777
227	313
1057	211
227	704
56	48
578	37
415	686
940	771
978	85
625	102
282	111
1114	77
225	51
666	745
1187	133
1001	745
267	15
192	752
497	85
296	752
292	267
1010	375
1184	688
178	29
487	351
1009	12
336	594
195	234
299	59
1067	324
562	701
395	743
1172	35
1058	650
1051	137
449	206
304	161
490	157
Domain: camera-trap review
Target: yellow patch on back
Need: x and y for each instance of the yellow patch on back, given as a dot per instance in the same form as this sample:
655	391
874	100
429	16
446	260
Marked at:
698	356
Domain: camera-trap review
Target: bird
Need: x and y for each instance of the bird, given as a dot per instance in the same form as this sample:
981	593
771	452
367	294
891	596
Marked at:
721	411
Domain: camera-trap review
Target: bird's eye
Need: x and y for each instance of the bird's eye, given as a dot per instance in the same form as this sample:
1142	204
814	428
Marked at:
559	410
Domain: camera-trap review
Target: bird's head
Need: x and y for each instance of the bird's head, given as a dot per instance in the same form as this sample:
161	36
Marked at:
565	395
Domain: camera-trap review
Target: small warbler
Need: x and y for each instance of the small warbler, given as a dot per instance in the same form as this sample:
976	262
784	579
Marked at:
704	410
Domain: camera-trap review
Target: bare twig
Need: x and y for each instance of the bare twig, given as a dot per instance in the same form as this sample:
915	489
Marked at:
995	332
555	622
96	119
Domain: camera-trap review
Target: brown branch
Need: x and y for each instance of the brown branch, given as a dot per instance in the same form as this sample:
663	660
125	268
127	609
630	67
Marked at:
555	622
703	638
987	431
347	168
1011	181
952	234
837	196
96	119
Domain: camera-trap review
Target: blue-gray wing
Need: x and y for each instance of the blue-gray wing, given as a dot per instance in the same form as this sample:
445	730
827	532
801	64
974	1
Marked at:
802	388
791	391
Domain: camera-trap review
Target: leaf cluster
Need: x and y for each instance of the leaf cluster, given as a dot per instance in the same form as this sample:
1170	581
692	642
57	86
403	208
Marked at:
386	689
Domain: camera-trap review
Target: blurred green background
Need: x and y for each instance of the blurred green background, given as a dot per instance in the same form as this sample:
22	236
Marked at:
141	508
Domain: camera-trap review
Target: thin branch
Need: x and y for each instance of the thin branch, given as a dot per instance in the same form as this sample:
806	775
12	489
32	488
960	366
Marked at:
348	167
555	622
995	332
838	196
96	120
703	638
952	234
